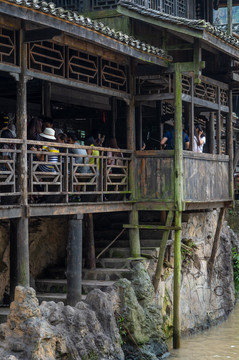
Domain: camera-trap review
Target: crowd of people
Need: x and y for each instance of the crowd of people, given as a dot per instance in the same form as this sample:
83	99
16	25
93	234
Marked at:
86	160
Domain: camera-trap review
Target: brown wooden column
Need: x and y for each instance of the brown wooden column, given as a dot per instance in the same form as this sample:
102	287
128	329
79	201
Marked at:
113	117
211	138
74	260
46	98
191	116
230	146
218	128
133	216
22	223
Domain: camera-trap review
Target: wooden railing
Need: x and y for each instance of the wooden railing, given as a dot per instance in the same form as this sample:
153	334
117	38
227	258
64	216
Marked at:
9	188
76	177
72	178
206	176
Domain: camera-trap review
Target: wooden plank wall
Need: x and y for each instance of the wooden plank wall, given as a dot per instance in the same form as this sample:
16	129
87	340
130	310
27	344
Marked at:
154	175
206	177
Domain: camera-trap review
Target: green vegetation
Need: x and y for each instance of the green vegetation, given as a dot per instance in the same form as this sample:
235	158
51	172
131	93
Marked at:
122	328
92	355
188	248
235	258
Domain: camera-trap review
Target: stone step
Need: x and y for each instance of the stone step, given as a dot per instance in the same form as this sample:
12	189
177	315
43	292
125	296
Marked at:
125	243
117	252
54	297
4	312
60	285
106	274
113	263
110	234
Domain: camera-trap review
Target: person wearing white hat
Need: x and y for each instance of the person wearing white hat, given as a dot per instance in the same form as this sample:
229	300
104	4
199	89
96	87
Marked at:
48	134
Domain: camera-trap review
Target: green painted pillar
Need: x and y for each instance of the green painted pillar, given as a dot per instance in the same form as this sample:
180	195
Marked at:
176	283
178	199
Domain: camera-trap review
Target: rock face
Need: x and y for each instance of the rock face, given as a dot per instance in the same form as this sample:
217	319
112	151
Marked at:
140	316
47	246
203	302
54	331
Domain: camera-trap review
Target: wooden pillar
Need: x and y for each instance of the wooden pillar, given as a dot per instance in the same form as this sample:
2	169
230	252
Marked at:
163	245
229	17
139	126
177	283
218	124
13	257
211	138
22	223
230	146
46	98
178	153
191	116
178	179
133	216
113	117
74	260
90	257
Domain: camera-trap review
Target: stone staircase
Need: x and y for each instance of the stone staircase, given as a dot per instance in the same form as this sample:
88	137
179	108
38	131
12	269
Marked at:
111	266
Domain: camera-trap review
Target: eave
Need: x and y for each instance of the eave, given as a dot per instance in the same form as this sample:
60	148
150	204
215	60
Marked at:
40	18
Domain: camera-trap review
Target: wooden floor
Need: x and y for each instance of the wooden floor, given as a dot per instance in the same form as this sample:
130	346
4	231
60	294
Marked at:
35	210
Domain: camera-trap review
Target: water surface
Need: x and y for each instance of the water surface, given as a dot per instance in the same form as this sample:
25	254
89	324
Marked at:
220	342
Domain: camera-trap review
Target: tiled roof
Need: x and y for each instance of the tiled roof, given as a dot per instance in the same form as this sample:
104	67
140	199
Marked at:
77	18
179	21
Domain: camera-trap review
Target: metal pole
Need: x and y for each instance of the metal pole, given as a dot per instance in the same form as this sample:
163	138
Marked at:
74	260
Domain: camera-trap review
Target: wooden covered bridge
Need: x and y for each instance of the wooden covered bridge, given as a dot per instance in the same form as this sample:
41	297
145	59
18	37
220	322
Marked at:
54	60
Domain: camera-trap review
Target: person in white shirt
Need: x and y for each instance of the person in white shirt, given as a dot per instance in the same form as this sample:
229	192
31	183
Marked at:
199	139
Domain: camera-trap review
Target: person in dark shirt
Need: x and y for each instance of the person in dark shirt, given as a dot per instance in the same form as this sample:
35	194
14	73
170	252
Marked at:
168	141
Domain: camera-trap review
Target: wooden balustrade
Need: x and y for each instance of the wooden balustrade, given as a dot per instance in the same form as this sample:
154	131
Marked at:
206	176
89	176
9	189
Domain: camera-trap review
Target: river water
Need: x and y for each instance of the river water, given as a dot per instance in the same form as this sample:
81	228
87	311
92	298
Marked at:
220	342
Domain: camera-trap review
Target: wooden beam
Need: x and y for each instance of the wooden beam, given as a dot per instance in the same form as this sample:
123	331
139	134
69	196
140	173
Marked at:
40	34
81	208
151	227
78	85
163	245
211	261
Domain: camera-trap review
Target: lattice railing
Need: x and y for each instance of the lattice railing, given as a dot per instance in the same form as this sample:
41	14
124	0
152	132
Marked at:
90	177
51	58
8	46
9	187
206	90
156	84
